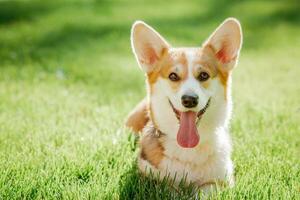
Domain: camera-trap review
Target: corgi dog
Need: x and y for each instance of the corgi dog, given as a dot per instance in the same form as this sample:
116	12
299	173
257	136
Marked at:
184	121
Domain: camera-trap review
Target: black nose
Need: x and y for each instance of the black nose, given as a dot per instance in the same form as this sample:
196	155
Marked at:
189	101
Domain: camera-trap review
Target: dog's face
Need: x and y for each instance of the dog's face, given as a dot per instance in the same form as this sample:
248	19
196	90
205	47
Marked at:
186	78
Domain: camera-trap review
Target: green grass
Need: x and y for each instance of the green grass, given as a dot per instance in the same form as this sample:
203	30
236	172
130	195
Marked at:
68	79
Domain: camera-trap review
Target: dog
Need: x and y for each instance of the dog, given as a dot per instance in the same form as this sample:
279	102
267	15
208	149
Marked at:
184	120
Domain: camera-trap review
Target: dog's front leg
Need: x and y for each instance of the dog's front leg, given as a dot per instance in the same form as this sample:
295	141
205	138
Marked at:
138	117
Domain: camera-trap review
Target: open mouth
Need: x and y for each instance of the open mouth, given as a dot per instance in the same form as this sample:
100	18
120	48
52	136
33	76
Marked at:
188	136
199	114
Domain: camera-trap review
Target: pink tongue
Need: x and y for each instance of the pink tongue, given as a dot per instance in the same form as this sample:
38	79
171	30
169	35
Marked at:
187	136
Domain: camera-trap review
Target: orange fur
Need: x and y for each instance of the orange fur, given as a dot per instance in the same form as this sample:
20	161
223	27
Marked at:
161	64
138	117
151	148
211	62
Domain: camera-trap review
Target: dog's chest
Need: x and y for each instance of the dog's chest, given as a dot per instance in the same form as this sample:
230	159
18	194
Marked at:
162	155
189	156
193	163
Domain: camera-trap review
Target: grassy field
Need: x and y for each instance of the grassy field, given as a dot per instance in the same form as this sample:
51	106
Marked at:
68	79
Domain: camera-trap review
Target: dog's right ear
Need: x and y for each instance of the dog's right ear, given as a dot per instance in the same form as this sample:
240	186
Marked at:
147	45
226	42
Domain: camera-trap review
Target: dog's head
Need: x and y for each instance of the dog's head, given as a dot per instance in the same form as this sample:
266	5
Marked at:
183	83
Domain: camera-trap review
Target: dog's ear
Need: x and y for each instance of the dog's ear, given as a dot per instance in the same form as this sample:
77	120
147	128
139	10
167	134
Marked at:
225	43
147	45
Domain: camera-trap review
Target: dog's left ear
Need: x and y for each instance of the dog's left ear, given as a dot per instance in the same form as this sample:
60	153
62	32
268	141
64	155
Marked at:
147	45
225	43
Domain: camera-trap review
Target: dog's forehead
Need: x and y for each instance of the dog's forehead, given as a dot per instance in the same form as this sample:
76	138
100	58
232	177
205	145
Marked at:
186	57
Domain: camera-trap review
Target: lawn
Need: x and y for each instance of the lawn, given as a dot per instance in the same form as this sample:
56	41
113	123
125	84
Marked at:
68	79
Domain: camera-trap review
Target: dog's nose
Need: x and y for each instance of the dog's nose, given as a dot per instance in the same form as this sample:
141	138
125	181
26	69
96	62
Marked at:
189	101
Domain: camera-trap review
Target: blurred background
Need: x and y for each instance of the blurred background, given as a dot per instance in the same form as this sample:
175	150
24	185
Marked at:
68	78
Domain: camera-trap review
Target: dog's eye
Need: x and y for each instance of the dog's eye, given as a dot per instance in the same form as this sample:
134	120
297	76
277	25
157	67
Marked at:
174	77
203	76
